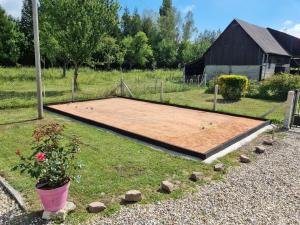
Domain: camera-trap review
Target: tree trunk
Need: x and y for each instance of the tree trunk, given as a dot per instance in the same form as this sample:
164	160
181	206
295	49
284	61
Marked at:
76	86
64	70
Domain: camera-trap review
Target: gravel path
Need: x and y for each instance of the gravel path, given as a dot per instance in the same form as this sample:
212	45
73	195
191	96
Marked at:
266	191
9	210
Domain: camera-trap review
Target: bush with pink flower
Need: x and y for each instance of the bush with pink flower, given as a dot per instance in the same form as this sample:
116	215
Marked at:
53	161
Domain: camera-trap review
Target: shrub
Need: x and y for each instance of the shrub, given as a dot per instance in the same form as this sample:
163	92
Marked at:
53	161
211	86
233	87
278	86
253	90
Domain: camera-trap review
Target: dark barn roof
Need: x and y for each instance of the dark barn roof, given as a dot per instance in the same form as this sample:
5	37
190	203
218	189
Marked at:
290	43
263	38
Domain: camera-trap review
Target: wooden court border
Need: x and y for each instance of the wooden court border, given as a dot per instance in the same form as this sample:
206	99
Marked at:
157	142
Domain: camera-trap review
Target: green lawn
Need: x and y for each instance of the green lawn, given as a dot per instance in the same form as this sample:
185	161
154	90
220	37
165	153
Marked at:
246	106
112	164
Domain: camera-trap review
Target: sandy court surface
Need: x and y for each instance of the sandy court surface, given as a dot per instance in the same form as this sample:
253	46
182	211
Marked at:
196	130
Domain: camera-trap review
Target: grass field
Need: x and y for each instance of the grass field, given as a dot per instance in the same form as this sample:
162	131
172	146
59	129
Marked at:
112	164
18	87
17	90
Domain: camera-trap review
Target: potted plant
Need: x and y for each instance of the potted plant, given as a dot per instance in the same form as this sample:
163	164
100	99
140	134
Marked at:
52	163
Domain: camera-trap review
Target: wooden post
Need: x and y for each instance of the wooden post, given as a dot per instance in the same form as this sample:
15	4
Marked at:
161	91
37	59
205	80
198	80
289	110
122	86
216	97
73	88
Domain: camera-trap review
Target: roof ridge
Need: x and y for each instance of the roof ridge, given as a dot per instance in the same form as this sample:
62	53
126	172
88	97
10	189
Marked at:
263	38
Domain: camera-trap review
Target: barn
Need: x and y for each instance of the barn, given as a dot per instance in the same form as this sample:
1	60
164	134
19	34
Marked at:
247	49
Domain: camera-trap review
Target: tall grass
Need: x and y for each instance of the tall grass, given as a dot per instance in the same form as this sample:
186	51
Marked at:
18	87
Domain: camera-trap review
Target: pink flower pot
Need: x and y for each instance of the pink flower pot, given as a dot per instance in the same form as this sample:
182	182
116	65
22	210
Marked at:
54	199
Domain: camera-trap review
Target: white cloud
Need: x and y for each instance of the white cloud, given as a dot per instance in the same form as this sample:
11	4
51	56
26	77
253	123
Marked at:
294	30
12	7
188	8
288	23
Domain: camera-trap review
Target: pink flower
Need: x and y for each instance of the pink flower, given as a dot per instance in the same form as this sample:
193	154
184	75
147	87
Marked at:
40	157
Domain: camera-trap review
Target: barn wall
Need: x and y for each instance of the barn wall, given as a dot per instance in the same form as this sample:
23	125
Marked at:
251	71
234	47
268	71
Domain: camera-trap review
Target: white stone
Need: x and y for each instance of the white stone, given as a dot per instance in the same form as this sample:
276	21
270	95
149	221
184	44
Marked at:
195	176
260	149
133	196
167	186
268	142
244	159
219	167
61	214
96	207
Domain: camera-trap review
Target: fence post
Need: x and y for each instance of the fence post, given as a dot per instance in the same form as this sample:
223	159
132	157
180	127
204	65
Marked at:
122	86
289	110
73	83
198	78
205	80
161	91
216	97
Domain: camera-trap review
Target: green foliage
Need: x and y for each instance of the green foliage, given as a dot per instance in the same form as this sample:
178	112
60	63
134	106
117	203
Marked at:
51	163
10	40
74	32
278	86
211	86
253	91
138	52
108	53
233	87
166	53
26	27
188	27
79	26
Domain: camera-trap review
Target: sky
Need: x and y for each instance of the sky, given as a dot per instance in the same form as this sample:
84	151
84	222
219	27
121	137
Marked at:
216	14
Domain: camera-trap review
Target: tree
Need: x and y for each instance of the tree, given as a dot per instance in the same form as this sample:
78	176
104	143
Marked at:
165	8
136	23
79	26
188	26
150	27
10	39
204	41
138	51
166	53
126	22
26	27
108	53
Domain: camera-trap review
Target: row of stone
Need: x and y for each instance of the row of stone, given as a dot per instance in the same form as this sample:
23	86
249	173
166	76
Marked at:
245	159
136	196
167	187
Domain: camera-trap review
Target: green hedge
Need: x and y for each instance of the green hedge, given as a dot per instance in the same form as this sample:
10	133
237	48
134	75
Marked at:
233	87
278	86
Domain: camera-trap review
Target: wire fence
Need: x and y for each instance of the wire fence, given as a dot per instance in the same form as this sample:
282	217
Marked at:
161	86
176	91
